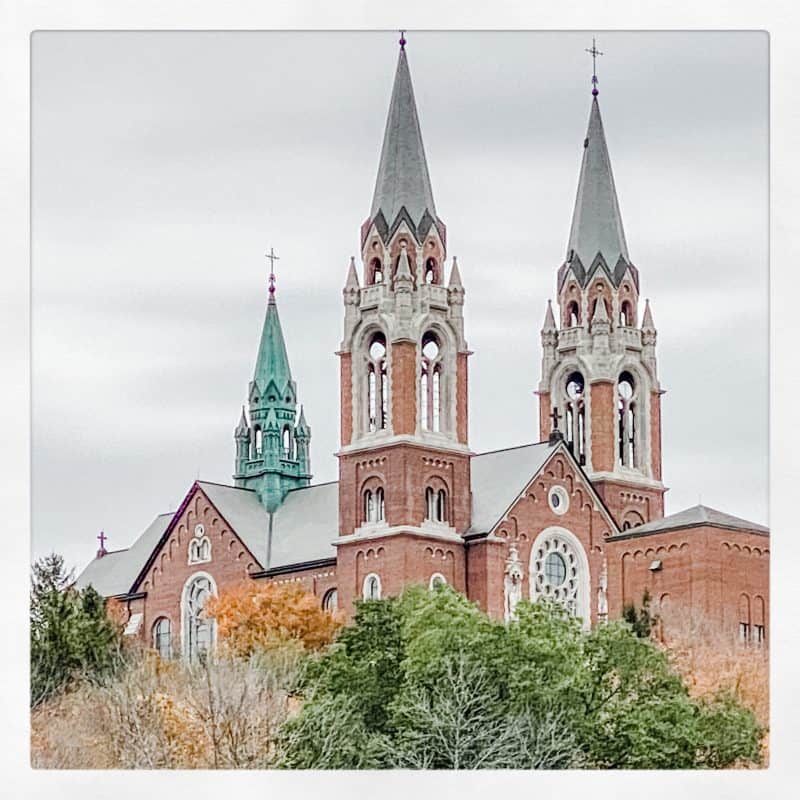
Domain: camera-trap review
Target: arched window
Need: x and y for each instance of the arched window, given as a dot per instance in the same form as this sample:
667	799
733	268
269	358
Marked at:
573	314
430	384
377	385
759	621
626	314
374	505
437	579
259	441
287	442
162	637
575	416
435	505
375	271
198	631
372	587
431	273
744	619
626	421
330	601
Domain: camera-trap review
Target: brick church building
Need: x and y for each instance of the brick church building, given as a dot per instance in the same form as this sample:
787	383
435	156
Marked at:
577	516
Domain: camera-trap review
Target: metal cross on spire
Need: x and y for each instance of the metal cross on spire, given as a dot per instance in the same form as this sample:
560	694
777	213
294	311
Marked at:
102	551
402	40
594	52
272	258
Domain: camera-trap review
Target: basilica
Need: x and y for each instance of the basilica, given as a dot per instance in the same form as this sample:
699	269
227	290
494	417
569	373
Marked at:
577	516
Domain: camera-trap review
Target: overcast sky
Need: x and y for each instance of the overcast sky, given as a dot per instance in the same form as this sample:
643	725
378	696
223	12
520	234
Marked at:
164	164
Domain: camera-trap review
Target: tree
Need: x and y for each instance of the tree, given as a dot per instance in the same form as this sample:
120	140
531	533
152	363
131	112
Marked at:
261	616
641	619
428	680
71	635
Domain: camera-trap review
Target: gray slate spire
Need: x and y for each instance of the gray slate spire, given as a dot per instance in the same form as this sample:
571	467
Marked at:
596	221
403	181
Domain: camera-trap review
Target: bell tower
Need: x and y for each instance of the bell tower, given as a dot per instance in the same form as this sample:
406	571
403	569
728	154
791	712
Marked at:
404	457
599	380
272	448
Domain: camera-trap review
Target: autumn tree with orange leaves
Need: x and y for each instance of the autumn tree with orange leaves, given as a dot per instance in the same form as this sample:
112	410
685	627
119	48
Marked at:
262	616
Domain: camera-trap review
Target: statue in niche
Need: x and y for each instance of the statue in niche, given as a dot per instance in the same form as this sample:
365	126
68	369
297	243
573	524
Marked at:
602	593
512	584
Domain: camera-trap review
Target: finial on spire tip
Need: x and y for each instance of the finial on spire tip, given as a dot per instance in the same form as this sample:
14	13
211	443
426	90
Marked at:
402	40
594	52
272	258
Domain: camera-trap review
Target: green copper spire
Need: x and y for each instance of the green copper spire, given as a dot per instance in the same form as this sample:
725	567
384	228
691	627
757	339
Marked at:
272	453
272	363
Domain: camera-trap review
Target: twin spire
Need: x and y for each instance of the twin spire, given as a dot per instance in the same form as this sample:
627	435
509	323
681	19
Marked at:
596	221
403	186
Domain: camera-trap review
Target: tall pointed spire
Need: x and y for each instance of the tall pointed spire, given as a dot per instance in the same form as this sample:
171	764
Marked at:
403	183
272	363
596	221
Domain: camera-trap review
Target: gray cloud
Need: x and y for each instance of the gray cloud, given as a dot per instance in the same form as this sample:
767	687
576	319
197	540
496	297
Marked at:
165	163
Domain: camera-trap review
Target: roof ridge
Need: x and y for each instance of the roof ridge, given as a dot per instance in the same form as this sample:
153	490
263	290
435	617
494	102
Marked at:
311	486
224	486
513	447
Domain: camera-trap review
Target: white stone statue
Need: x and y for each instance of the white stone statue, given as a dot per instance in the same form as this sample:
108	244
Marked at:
512	584
602	593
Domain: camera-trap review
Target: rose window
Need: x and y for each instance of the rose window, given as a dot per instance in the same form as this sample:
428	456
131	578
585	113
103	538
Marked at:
555	566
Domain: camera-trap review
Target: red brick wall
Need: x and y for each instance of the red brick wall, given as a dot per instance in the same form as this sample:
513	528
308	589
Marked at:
230	564
602	422
528	517
316	581
404	470
398	560
655	434
462	398
635	504
346	396
544	416
704	572
404	387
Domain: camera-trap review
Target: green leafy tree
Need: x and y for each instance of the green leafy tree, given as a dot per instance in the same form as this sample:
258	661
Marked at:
641	619
71	635
427	680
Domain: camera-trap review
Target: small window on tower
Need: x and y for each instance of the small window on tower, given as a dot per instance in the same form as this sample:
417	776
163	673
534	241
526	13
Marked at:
430	271
372	587
573	314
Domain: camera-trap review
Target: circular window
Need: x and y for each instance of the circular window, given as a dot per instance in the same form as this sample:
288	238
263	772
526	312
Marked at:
558	500
377	350
575	385
555	570
430	349
625	385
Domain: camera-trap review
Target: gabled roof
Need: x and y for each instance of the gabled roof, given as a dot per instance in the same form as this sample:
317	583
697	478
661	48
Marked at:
403	181
116	571
306	524
694	517
498	479
596	220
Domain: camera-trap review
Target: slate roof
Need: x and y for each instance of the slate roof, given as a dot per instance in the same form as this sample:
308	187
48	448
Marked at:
306	524
596	220
403	180
693	517
498	479
116	571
